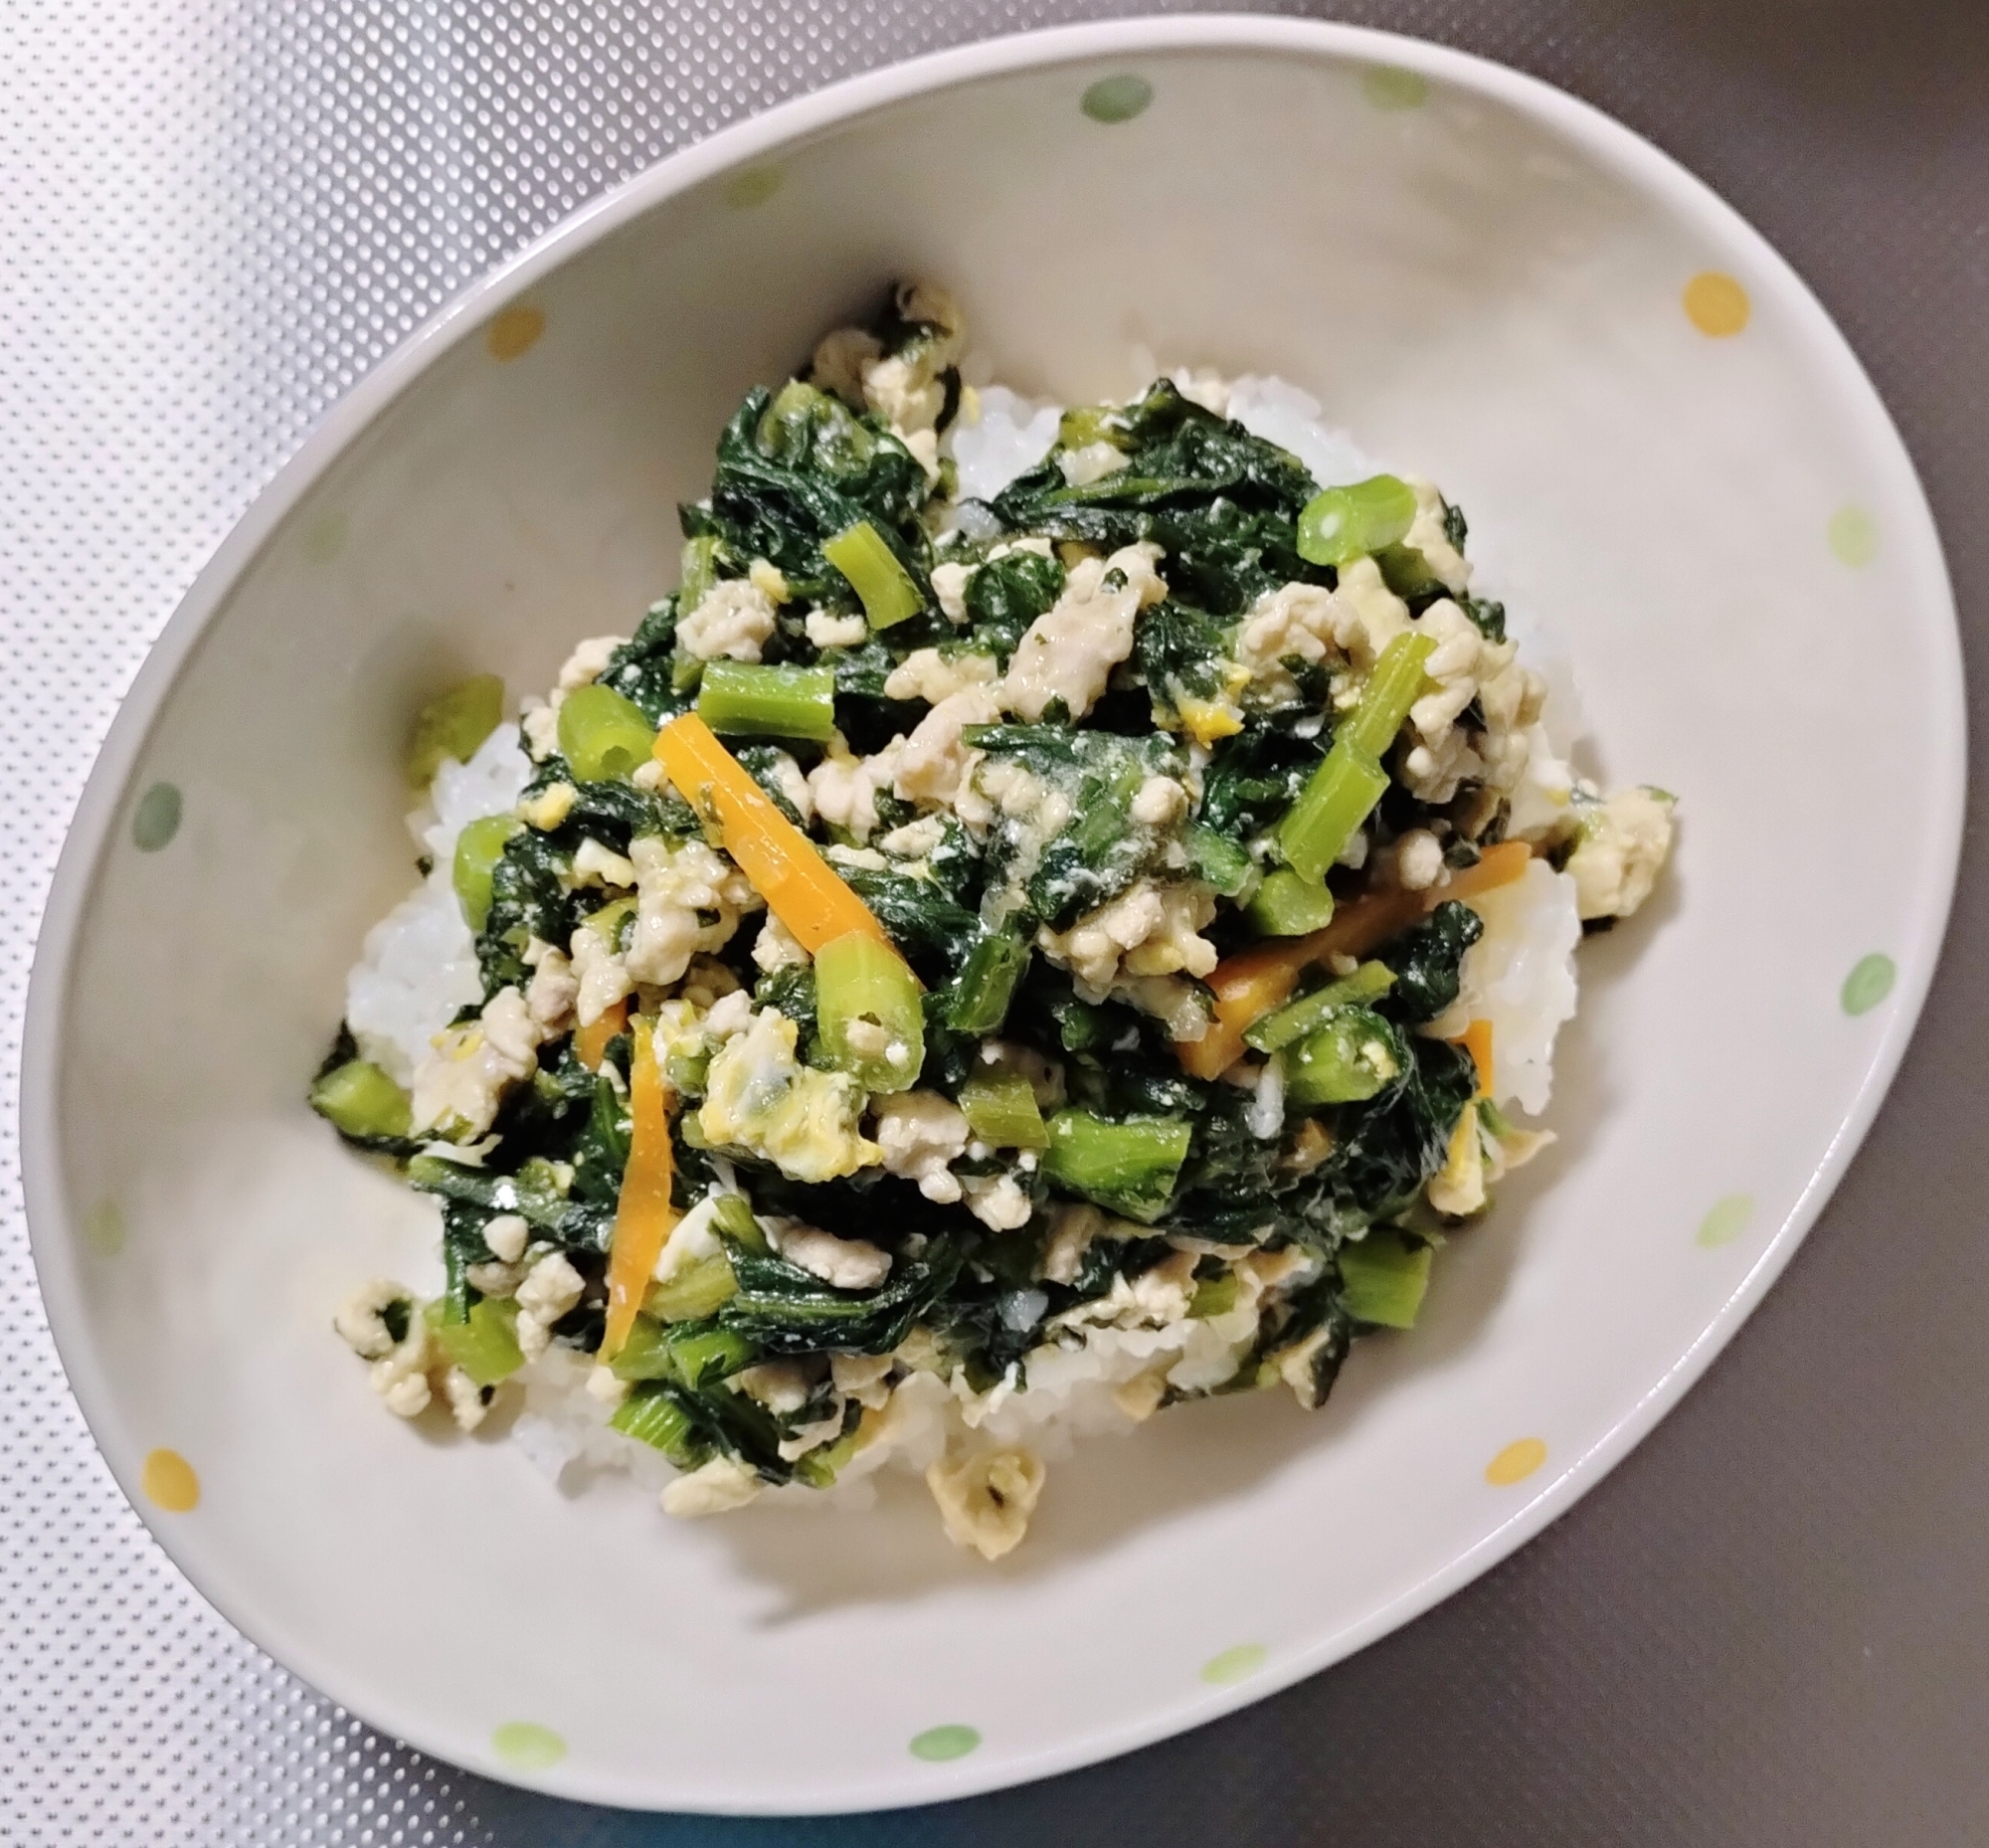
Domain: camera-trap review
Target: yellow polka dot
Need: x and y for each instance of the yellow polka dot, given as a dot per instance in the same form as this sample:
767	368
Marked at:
104	1228
1854	536
1234	1665
1516	1462
755	186
1716	304
1388	88
326	537
527	1747
169	1482
515	333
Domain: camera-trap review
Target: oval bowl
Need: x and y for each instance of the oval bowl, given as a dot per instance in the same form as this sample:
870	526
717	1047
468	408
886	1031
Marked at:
1690	481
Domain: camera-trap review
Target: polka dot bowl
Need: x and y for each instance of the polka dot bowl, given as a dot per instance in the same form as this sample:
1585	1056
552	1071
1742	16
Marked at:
1672	461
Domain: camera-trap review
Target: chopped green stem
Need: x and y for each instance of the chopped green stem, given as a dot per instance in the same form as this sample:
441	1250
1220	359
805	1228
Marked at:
701	1356
1345	788
690	1293
885	587
655	1414
645	1353
746	701
699	573
1287	905
869	1013
453	724
479	848
358	1099
1128	1167
733	1215
978	1002
1341	525
691	1355
486	1344
1406	571
1383	1277
1341	796
820	1468
603	736
1213	1296
1299	1018
1392	688
1086	424
1000	1109
1353	1056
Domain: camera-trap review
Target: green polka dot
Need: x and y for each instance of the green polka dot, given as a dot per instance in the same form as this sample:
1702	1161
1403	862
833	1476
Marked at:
104	1228
1854	536
1117	98
755	186
945	1742
1726	1220
1234	1665
326	537
525	1747
1388	88
157	819
1869	984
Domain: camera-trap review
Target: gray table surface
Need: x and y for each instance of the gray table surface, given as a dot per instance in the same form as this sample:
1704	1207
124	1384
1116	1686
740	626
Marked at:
1770	1625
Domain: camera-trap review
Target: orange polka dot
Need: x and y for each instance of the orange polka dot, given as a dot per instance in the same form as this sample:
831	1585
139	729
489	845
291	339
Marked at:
169	1482
1716	304
515	333
1516	1462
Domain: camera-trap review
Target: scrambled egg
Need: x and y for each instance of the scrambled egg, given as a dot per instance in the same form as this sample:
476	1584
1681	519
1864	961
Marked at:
760	1096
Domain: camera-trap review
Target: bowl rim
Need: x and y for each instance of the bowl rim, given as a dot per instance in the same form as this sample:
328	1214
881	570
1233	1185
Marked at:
53	1226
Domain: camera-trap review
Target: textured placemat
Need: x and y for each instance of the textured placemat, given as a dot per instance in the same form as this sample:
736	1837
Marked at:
1770	1626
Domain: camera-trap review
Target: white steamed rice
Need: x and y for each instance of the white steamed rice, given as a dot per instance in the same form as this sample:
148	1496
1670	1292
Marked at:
417	966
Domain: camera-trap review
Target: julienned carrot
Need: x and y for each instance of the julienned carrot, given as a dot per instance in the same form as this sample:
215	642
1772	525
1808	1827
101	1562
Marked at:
589	1044
800	889
1251	983
1499	865
643	1214
1477	1041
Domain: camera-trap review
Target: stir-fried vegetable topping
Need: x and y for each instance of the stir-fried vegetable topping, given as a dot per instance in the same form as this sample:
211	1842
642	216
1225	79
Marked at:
953	938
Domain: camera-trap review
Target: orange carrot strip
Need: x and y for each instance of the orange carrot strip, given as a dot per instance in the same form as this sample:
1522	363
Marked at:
1499	865
800	889
643	1214
590	1042
1251	983
1477	1041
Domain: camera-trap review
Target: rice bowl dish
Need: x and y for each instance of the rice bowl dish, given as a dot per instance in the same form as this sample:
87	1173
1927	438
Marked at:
1063	911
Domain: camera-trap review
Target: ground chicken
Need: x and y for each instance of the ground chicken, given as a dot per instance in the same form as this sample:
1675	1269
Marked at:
843	1263
1149	930
1621	848
935	760
927	674
689	899
460	1085
845	788
920	1132
1068	653
985	1499
731	622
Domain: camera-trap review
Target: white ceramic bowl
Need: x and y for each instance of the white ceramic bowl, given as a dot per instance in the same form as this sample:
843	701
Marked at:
1482	279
